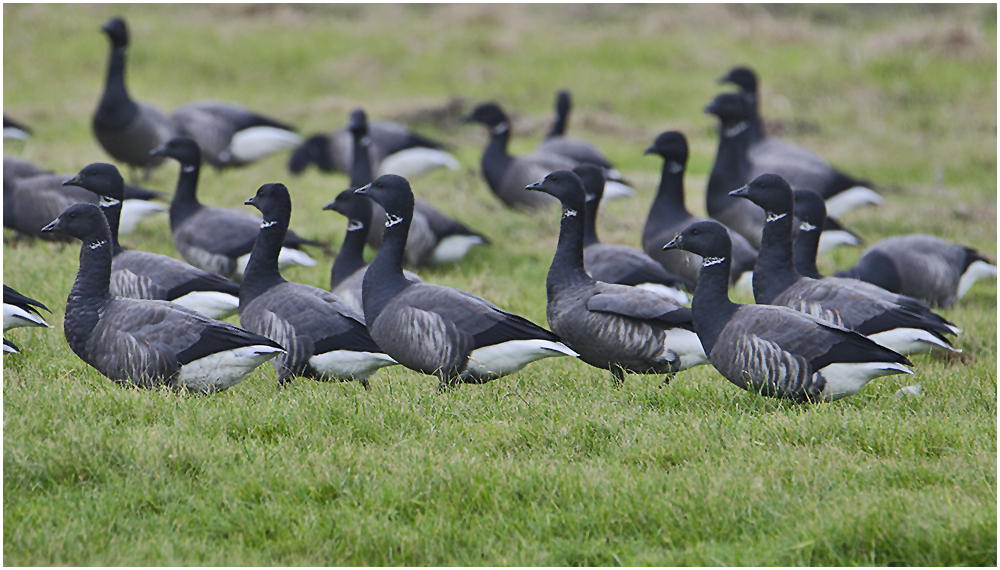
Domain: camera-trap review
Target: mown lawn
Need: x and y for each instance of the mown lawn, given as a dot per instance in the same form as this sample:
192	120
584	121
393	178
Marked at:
551	466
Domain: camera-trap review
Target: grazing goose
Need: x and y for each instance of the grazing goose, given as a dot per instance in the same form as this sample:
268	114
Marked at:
800	167
324	338
14	130
579	150
434	237
619	263
144	275
217	240
394	149
21	311
143	343
614	327
668	216
349	267
32	202
774	350
437	330
895	322
228	134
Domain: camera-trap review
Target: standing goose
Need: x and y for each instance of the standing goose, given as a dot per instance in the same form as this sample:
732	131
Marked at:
895	322
437	330
324	338
668	216
434	237
578	150
349	267
217	240
924	267
620	264
21	311
145	275
613	327
774	350
146	343
800	167
394	149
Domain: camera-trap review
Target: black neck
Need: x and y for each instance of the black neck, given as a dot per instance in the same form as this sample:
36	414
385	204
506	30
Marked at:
113	213
185	202
668	206
361	170
558	127
804	252
90	291
773	271
384	278
710	306
116	109
352	251
262	270
495	158
590	222
567	264
730	169
756	127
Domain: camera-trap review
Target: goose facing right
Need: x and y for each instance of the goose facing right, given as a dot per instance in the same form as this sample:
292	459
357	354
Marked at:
774	350
217	240
437	330
145	343
21	311
613	327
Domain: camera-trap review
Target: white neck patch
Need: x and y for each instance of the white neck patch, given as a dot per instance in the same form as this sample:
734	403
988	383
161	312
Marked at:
97	244
267	224
391	220
567	213
501	128
806	227
708	261
736	129
106	202
591	197
366	141
354	225
772	217
673	167
188	169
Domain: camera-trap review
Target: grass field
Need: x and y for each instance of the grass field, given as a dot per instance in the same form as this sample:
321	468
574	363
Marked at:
551	466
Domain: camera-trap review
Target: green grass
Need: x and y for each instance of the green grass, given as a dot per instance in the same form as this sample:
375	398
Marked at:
551	466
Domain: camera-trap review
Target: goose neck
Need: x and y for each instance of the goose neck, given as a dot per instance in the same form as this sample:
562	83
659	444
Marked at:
185	201
558	127
567	264
262	270
590	222
730	169
113	212
711	307
774	271
351	256
804	250
93	278
116	108
669	201
384	278
361	170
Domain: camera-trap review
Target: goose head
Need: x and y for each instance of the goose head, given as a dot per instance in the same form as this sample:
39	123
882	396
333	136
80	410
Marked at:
351	206
565	186
101	179
83	221
810	209
272	200
563	103
708	239
671	145
116	31
770	192
489	114
593	180
358	123
182	149
730	108
393	193
742	77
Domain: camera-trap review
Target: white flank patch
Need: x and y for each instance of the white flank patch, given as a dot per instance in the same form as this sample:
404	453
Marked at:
414	162
612	173
977	270
287	257
744	284
614	190
910	341
687	346
848	378
133	211
255	143
347	364
675	295
9	349
508	357
831	239
14	316
840	204
14	133
222	370
212	304
453	248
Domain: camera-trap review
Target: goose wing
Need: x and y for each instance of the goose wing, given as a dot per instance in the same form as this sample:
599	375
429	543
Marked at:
642	305
627	266
141	274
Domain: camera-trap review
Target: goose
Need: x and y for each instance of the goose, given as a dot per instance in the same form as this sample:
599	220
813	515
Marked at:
924	267
731	170
579	150
437	330
15	130
145	343
620	264
776	351
21	311
349	267
144	275
668	216
434	237
903	325
217	240
613	327
324	338
800	167
228	134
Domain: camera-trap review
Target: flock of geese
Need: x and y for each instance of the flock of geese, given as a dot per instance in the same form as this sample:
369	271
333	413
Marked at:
148	320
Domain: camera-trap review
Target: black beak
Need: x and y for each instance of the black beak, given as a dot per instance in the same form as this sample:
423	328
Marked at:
250	202
650	150
363	190
537	186
742	192
75	181
52	226
675	243
330	205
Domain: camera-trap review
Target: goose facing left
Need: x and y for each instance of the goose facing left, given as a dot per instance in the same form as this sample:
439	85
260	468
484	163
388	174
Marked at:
145	275
142	343
217	240
324	337
21	311
437	330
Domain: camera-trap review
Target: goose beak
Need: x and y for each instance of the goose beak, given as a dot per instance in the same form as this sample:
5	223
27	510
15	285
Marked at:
330	206
650	150
249	202
75	181
742	192
52	226
675	243
363	190
537	186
